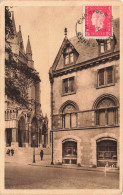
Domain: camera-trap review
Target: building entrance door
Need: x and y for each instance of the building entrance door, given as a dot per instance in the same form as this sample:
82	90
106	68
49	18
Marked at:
8	136
21	132
69	152
44	133
107	153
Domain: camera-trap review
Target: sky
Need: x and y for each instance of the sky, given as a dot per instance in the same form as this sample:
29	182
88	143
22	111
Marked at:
45	26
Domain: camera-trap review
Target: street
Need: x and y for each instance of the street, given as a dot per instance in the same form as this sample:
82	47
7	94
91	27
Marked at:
18	176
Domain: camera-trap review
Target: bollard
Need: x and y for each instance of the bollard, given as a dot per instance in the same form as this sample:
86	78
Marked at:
106	165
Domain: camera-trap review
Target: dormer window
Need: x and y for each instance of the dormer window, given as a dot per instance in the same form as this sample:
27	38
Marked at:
105	46
68	56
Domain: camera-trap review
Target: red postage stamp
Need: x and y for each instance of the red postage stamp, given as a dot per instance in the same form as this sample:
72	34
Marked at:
98	21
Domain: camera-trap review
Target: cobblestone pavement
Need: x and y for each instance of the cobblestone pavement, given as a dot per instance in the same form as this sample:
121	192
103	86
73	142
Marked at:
18	176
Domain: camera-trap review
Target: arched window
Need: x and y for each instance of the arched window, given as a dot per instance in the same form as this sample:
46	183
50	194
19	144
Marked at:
106	112
69	117
69	151
106	152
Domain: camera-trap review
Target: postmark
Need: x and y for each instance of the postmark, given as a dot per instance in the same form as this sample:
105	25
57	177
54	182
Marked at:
98	21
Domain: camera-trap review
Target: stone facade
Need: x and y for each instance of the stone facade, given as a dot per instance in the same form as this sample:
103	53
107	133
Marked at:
25	127
85	93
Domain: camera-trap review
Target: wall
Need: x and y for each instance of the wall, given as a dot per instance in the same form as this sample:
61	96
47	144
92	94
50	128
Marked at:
86	143
85	96
86	83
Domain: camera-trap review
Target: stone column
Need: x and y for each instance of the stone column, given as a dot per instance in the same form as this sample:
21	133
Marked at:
42	140
14	138
40	145
29	129
26	144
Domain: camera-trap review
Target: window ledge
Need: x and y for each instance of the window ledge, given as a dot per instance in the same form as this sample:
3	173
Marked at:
103	86
70	93
86	128
69	64
106	52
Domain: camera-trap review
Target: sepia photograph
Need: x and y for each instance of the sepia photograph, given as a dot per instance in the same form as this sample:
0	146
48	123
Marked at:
62	96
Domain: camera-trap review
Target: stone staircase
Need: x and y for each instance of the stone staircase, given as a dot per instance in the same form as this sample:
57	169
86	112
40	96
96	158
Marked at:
25	156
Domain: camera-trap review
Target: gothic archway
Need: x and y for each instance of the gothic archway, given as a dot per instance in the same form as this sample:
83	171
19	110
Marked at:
21	132
34	132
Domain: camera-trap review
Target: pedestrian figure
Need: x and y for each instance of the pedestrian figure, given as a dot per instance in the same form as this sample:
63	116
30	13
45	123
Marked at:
8	152
12	152
41	154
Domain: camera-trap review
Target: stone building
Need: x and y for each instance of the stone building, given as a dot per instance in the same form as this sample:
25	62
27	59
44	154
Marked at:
85	96
25	127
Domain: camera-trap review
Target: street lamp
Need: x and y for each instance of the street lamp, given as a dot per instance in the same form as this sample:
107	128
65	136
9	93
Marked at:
34	138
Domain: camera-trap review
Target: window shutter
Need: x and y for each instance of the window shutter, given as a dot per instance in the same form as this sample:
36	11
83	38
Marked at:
102	48
71	58
109	75
101	77
71	84
108	45
65	86
67	59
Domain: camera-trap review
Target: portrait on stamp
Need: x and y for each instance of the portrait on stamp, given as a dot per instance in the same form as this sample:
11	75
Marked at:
98	21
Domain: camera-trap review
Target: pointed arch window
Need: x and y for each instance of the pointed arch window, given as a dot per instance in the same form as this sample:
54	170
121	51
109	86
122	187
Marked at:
106	112
69	117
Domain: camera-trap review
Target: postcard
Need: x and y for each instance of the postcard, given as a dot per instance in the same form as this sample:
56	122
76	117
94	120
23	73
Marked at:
61	97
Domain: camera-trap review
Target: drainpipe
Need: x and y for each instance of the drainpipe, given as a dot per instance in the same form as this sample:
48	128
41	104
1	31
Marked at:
51	83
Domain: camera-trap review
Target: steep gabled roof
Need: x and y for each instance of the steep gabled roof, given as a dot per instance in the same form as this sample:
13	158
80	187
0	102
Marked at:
87	52
65	41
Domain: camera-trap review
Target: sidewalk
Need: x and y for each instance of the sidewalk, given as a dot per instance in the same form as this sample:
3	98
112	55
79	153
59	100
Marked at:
47	163
98	169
